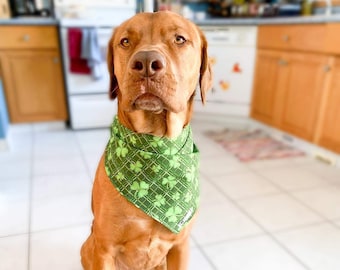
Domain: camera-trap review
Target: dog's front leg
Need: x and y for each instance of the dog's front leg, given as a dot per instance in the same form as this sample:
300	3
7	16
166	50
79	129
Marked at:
178	256
102	261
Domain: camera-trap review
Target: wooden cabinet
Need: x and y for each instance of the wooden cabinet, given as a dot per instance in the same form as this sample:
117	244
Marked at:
328	134
297	83
31	70
266	82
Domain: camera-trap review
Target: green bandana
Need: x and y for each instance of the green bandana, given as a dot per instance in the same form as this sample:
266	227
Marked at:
158	175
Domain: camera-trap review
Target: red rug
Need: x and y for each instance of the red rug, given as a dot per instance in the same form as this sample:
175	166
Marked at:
253	145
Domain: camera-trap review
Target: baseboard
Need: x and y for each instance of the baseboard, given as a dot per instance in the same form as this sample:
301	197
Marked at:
3	145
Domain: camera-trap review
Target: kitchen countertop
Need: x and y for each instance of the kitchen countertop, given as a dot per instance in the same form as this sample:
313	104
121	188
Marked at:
205	22
29	21
273	20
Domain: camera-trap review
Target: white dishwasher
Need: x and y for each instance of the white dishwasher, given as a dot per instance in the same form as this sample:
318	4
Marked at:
232	53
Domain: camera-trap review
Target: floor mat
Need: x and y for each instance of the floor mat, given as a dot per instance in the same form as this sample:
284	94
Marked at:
253	145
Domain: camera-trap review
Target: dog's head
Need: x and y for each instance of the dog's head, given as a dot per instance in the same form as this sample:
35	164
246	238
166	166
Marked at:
156	61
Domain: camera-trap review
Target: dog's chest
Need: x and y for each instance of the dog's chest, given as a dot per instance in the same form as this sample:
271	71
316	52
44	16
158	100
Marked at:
144	252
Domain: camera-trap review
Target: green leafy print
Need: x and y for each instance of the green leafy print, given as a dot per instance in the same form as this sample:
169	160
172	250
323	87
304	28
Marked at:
141	188
174	162
136	167
133	140
120	176
170	151
172	213
188	197
121	151
145	155
159	200
176	196
156	168
169	181
190	174
157	142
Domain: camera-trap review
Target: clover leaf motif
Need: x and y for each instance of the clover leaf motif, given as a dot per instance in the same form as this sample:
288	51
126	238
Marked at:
145	155
120	176
190	174
159	200
156	168
176	196
172	213
157	142
133	140
121	151
169	181
174	162
170	151
188	197
141	188
136	167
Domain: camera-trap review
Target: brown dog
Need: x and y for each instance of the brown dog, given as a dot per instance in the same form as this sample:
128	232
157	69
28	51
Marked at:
156	61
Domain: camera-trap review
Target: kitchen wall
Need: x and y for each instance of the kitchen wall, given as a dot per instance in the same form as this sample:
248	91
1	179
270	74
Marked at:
3	114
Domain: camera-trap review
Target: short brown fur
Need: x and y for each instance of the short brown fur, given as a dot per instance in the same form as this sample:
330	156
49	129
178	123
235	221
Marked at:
122	236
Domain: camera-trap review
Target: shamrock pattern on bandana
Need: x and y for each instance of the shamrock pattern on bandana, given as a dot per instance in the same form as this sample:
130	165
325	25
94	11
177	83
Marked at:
158	175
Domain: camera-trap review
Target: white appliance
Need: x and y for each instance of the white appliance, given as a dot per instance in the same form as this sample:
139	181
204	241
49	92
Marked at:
232	53
88	99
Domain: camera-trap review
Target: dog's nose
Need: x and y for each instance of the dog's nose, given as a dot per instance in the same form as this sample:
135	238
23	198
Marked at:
148	63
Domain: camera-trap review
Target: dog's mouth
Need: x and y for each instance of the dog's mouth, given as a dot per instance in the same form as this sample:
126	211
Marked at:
149	102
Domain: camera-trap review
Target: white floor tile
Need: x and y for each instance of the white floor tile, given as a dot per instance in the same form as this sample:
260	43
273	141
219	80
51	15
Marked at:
59	249
93	141
18	169
258	253
221	165
59	165
243	185
325	200
14	190
325	171
52	186
14	216
61	212
209	194
14	252
278	212
198	261
318	246
222	221
293	178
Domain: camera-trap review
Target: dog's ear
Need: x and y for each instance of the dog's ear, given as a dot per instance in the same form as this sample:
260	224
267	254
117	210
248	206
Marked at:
205	79
113	87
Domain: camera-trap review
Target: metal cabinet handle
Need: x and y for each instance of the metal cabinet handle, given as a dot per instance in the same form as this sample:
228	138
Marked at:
285	38
282	62
26	37
326	68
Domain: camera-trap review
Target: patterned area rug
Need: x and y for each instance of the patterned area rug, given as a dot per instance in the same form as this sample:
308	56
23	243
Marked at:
253	145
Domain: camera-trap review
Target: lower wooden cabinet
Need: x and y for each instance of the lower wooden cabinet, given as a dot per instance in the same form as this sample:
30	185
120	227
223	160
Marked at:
33	84
288	89
329	127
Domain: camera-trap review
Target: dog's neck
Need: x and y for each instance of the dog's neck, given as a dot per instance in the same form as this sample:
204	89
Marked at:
165	124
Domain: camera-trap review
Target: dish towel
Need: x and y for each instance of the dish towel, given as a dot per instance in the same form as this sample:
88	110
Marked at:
77	64
90	51
158	175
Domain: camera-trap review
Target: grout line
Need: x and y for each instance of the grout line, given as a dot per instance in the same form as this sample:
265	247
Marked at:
208	259
30	201
268	233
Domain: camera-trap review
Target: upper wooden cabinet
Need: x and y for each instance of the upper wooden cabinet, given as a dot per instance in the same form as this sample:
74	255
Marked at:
31	70
297	81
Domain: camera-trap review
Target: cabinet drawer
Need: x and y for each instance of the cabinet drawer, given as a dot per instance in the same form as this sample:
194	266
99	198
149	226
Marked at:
333	38
295	37
22	37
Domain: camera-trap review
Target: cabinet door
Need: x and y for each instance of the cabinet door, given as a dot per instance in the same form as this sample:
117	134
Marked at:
33	85
330	122
266	81
301	92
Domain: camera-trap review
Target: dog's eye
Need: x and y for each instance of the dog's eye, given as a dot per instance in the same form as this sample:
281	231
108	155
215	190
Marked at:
180	40
124	42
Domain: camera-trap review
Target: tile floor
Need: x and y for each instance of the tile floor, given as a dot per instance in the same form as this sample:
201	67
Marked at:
265	215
